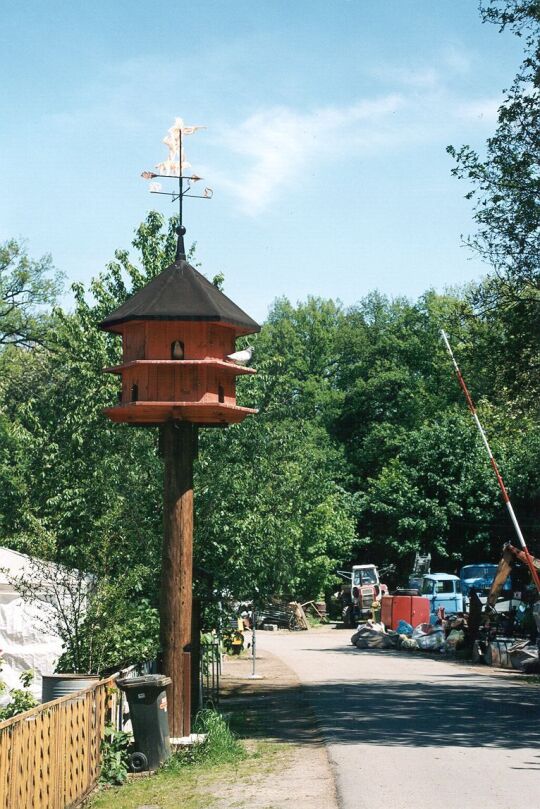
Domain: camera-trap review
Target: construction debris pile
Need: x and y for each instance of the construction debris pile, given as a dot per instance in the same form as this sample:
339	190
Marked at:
452	635
499	643
445	637
282	615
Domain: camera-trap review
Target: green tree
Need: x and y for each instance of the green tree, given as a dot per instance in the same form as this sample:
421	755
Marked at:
437	494
27	288
270	516
521	16
506	194
506	183
296	359
393	373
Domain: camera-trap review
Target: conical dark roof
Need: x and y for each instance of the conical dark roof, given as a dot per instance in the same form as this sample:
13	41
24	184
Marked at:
181	293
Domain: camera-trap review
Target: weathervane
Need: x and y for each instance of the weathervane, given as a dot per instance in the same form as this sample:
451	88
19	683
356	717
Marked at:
173	168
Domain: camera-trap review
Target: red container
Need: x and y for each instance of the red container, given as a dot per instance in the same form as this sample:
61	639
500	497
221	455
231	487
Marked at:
413	609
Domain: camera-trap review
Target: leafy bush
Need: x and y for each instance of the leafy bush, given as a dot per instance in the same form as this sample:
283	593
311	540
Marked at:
21	699
103	622
114	756
219	747
114	632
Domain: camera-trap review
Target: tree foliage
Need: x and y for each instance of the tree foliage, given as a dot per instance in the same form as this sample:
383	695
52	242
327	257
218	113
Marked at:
506	182
521	16
26	287
505	190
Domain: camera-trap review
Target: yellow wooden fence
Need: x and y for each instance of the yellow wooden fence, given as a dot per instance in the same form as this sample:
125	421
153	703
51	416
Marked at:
50	756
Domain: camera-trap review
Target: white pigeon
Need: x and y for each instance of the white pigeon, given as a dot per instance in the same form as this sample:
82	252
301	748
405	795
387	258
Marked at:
241	357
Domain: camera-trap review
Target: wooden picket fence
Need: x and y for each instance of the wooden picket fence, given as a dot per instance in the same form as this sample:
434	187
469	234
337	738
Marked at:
50	755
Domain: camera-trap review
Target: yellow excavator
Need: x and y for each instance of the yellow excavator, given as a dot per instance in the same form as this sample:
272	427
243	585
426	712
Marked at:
510	556
480	618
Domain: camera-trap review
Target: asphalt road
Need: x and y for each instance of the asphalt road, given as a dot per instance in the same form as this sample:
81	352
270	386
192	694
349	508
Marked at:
405	731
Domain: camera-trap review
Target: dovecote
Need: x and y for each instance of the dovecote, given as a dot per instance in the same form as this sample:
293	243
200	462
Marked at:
177	332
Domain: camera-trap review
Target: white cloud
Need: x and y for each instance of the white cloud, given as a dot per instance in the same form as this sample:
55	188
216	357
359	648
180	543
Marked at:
269	152
418	77
281	143
448	64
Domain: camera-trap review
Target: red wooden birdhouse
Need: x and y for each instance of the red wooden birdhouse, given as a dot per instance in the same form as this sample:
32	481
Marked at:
177	333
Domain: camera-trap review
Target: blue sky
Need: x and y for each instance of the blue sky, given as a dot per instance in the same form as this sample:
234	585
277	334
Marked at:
327	122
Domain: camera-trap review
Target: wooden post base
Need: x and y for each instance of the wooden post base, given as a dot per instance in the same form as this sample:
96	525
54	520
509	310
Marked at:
179	447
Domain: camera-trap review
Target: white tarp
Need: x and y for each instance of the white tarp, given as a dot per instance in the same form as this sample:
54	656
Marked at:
25	641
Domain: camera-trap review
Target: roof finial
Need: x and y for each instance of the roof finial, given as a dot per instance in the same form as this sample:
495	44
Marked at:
173	167
180	247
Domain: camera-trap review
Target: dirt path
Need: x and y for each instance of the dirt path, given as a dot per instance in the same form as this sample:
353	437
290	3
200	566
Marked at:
274	709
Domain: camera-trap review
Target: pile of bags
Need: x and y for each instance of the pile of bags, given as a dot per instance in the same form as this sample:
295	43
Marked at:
443	637
427	637
372	635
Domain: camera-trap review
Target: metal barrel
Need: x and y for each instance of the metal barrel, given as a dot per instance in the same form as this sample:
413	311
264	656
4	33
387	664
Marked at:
60	685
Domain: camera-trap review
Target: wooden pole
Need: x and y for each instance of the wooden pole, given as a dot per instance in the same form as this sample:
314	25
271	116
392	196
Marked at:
179	447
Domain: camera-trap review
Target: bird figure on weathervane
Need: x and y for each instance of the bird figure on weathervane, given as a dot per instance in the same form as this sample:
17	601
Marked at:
176	161
175	164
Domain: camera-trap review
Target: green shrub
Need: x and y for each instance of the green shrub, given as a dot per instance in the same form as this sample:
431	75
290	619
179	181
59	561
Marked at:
220	746
21	699
114	756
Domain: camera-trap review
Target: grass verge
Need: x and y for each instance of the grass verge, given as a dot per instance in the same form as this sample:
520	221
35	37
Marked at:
221	745
193	778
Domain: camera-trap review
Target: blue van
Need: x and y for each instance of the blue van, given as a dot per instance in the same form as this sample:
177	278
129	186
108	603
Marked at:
443	590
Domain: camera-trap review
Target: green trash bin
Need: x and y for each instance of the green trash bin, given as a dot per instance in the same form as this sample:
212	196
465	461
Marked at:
147	701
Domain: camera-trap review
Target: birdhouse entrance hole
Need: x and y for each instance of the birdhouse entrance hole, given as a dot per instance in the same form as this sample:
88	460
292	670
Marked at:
177	350
221	394
134	393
